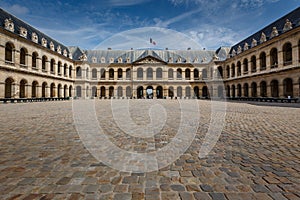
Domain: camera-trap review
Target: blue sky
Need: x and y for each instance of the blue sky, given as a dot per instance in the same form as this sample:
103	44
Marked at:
100	24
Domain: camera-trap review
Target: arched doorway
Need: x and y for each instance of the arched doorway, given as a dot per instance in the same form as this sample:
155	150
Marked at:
44	86
120	91
59	87
288	87
23	88
70	91
274	88
253	89
65	91
196	92
149	91
159	92
8	88
171	92
94	91
179	91
111	92
263	89
228	91
78	91
188	91
102	91
246	90
52	90
239	90
220	91
34	89
128	91
140	92
204	91
233	90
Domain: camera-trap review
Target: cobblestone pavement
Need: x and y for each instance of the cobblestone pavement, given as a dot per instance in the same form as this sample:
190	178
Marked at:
256	157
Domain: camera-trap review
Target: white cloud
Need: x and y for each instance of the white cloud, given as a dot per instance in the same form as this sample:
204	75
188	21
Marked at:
17	9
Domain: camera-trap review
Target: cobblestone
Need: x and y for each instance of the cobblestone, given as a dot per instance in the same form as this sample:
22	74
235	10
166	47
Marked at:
256	157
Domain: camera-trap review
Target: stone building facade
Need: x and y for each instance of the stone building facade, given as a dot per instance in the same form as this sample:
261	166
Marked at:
266	64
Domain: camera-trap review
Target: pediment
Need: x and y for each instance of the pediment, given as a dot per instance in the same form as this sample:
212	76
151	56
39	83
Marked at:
149	60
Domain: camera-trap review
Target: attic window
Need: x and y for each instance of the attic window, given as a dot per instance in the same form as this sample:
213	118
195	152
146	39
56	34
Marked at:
34	37
23	32
51	46
58	49
120	60
102	60
65	53
94	59
288	25
128	60
44	42
111	60
9	25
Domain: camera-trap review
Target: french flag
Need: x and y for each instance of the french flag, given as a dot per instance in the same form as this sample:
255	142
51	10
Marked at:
152	41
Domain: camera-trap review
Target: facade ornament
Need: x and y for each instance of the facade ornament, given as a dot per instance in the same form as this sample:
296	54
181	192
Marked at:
253	43
102	60
34	37
287	26
246	46
52	46
58	49
83	57
233	53
170	60
9	25
70	55
274	32
263	37
23	32
179	60
94	59
111	60
120	60
65	53
44	42
239	50
128	60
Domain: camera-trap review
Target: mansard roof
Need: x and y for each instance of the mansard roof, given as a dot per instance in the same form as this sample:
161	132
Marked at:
293	17
18	24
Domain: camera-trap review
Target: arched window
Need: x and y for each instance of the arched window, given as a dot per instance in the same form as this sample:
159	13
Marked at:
227	71
288	87
140	73
120	91
188	91
287	54
196	92
70	91
196	74
94	73
170	74
253	89
65	91
128	73
239	90
232	70
44	87
171	92
70	70
274	58
59	68
120	73
179	73
239	68
78	91
34	87
233	90
8	88
65	69
179	91
44	62
128	91
94	91
34	59
150	73
102	91
59	87
204	91
102	73
228	91
78	72
245	66
111	74
263	61
111	91
263	89
23	53
22	88
204	73
52	90
9	48
274	88
246	90
87	74
187	74
253	64
52	65
158	73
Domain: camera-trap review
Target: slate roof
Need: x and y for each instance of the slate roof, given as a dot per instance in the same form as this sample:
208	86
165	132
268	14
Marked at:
293	17
19	23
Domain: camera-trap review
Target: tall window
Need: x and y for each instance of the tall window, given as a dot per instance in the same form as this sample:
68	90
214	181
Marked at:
274	58
78	72
23	56
9	52
170	74
140	73
34	59
159	73
128	73
204	73
44	61
52	63
187	74
102	72
263	61
120	73
287	54
239	70
94	73
111	74
196	74
253	64
59	68
245	66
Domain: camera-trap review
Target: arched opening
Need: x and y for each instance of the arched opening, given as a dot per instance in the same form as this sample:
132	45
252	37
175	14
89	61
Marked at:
149	92
159	92
65	69
59	65
102	74
179	73
111	91
263	61
204	73
34	89
140	92
102	91
274	58
120	91
78	91
59	87
179	91
44	87
149	73
94	91
220	72
9	49
22	89
78	72
23	53
239	90
232	70
171	92
87	73
204	91
94	73
34	59
128	91
253	89
128	74
196	92
220	91
228	91
170	74
274	88
52	90
52	65
227	71
246	90
239	68
188	91
253	64
70	91
111	74
120	73
263	89
158	73
245	66
70	71
288	87
233	90
9	88
287	54
196	74
187	74
44	62
140	73
65	91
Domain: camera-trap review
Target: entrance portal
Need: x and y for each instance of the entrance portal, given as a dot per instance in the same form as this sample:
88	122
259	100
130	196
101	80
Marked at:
140	93
149	91
159	92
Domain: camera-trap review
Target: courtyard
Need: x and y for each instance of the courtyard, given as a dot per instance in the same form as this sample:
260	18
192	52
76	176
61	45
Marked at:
257	155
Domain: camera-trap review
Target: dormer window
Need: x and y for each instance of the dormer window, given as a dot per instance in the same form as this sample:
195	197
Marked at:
196	60
254	43
102	60
128	60
179	60
170	60
94	59
9	25
274	32
111	60
70	56
263	38
23	32
120	60
239	50
34	37
233	53
58	49
51	46
288	25
246	46
65	53
44	42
